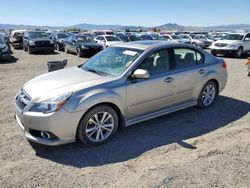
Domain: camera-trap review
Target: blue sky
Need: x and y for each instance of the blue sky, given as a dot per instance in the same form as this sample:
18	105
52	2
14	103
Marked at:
125	12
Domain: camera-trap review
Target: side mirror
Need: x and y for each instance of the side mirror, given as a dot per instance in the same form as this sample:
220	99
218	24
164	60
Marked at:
140	74
74	42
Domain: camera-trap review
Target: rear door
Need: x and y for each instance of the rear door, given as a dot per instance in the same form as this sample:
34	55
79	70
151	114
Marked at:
190	71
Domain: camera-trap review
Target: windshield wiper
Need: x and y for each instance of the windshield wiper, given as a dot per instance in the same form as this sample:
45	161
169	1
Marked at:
97	72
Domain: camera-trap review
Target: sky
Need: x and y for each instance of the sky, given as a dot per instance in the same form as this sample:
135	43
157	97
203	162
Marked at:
125	12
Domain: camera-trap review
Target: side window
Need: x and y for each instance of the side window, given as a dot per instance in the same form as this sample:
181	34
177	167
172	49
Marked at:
156	63
98	38
185	57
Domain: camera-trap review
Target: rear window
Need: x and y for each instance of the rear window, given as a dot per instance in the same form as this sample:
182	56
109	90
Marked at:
185	57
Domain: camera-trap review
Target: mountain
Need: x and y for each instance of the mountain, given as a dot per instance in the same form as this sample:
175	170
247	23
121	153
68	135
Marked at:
168	26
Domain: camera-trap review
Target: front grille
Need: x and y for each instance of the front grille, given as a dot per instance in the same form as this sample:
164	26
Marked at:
42	43
22	100
220	44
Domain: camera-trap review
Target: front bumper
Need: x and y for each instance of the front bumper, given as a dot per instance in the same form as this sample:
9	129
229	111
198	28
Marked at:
223	51
42	48
61	123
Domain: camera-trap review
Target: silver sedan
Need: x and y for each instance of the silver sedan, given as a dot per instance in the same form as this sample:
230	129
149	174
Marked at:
122	85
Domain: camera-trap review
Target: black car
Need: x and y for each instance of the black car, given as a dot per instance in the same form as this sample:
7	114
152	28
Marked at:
37	41
5	49
82	45
59	38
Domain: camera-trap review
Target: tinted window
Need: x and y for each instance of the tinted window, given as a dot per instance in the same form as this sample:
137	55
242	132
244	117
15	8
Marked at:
185	57
233	37
156	63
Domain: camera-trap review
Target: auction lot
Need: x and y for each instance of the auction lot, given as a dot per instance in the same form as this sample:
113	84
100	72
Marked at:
189	148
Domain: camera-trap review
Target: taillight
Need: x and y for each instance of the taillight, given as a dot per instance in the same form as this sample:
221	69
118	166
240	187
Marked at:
224	65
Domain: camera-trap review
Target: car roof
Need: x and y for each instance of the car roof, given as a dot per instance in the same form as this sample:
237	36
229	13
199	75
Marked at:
146	44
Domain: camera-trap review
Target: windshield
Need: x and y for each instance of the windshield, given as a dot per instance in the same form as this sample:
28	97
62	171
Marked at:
34	35
184	36
175	37
61	35
232	37
84	39
112	61
134	38
112	38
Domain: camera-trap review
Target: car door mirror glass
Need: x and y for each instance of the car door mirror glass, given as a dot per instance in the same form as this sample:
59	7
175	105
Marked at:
141	74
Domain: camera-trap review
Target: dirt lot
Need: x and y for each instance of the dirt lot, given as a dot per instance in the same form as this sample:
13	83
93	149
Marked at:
190	148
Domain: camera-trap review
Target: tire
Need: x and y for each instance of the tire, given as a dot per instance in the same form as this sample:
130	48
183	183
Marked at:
207	95
79	52
24	48
66	49
57	47
238	53
90	132
29	50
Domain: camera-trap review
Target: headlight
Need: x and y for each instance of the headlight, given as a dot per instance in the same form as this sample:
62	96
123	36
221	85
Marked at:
51	105
32	43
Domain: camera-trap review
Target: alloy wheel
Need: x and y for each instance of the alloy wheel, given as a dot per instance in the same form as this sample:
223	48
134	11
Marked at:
99	126
208	95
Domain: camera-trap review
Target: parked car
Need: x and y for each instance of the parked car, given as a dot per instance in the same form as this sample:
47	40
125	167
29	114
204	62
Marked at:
97	33
16	38
36	41
82	45
5	50
122	36
152	36
107	40
186	39
196	40
232	44
175	38
132	38
146	37
120	86
58	38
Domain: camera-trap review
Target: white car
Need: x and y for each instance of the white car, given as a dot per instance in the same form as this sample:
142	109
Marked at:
16	38
233	43
176	38
107	40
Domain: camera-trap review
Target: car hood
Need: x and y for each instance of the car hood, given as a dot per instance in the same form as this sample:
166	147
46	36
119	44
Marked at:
226	41
88	44
63	81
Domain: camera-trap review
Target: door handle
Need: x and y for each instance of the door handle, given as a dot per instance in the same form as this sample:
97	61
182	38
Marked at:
201	71
168	79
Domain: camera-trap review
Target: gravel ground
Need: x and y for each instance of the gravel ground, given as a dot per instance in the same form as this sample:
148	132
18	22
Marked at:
189	148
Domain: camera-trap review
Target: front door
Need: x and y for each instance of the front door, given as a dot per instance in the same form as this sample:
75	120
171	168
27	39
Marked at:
149	95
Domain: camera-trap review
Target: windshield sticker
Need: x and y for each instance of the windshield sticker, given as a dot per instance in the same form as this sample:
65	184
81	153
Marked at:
128	52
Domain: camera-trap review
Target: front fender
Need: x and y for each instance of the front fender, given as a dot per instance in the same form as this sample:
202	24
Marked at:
85	101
